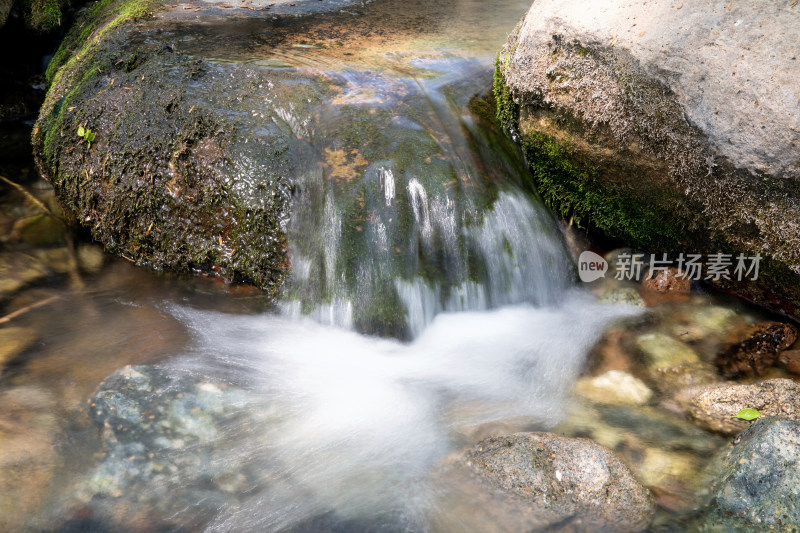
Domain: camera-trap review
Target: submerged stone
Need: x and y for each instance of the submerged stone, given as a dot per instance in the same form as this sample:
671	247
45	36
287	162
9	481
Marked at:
698	323
665	452
614	387
538	481
160	432
622	296
18	270
790	359
29	458
90	258
672	364
662	351
755	487
14	341
755	348
41	230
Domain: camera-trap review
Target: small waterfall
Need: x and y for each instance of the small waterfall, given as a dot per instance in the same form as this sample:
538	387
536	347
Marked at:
412	211
411	220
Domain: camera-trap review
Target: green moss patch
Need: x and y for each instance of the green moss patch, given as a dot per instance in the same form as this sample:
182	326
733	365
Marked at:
573	190
44	15
91	25
507	109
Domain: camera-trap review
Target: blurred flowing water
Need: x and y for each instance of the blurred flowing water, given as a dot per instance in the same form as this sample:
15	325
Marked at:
432	299
351	425
412	219
407	199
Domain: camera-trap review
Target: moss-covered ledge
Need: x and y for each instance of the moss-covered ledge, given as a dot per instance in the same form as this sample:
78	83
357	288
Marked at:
641	189
582	175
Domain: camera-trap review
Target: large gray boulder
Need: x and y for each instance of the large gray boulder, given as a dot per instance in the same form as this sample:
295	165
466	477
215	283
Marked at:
673	125
756	486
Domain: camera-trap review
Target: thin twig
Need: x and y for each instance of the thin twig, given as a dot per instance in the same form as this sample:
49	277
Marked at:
11	316
32	198
74	272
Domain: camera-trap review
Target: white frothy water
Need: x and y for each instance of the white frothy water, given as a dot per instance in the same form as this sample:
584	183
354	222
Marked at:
350	424
422	214
387	181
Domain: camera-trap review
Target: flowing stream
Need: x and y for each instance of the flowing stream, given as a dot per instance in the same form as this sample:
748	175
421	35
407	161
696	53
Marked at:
352	424
432	301
412	219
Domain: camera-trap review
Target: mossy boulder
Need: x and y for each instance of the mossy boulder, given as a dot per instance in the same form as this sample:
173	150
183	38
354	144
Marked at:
154	151
672	127
184	145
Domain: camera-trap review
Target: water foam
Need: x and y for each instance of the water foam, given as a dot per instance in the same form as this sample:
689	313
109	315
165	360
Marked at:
351	424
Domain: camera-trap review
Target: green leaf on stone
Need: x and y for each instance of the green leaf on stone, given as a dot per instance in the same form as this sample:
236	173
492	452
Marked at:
748	414
81	131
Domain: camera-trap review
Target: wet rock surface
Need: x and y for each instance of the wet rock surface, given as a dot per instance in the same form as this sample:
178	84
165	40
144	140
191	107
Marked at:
756	483
544	480
159	432
758	351
176	199
186	171
665	161
714	407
